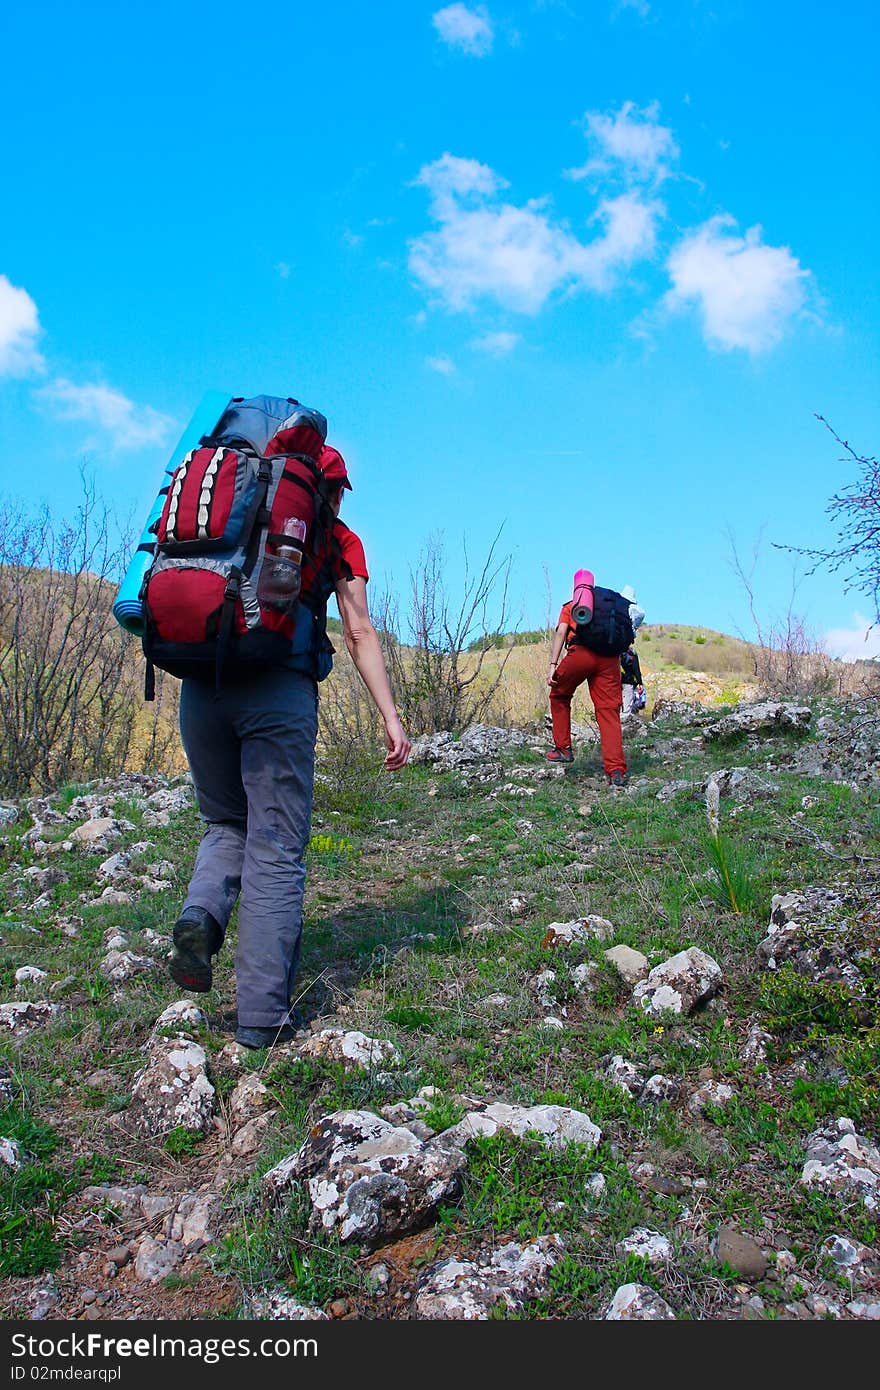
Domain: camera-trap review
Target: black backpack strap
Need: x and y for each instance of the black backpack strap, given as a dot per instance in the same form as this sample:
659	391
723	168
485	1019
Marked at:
227	613
257	515
146	640
261	492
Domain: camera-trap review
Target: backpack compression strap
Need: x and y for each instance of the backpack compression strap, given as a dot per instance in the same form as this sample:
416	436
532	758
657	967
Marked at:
227	614
232	592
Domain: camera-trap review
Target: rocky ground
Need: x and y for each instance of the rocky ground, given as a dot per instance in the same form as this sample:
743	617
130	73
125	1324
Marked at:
565	1052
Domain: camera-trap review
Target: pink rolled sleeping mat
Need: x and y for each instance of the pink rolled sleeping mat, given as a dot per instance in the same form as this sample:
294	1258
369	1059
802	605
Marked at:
582	601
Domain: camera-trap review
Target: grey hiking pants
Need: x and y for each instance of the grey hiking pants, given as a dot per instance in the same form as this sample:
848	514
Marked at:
251	752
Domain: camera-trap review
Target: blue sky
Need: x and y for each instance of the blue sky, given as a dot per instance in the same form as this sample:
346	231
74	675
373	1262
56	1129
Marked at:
583	271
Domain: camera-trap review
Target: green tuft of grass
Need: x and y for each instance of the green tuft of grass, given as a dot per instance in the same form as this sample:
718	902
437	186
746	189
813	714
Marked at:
412	1019
181	1142
805	1010
29	1197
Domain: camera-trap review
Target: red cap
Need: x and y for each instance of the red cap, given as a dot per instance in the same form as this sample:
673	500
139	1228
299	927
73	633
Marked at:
332	464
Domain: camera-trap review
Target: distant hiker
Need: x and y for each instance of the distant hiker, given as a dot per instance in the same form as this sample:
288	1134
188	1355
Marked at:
631	681
636	614
250	741
593	651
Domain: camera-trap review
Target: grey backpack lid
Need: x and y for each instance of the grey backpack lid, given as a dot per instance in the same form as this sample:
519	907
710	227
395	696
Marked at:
255	419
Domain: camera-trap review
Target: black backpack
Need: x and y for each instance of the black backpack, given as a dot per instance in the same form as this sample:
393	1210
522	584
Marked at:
610	630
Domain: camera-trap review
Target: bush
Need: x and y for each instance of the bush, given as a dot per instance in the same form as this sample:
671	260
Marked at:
69	681
442	680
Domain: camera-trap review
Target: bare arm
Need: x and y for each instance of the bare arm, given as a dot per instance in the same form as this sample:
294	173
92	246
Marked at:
556	647
363	646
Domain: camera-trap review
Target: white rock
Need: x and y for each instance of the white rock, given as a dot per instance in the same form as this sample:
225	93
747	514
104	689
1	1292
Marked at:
554	1125
680	983
26	973
649	1245
181	1014
469	1290
281	1307
173	1089
710	1093
92	831
631	965
637	1302
23	1016
122	965
10	1153
354	1049
156	1260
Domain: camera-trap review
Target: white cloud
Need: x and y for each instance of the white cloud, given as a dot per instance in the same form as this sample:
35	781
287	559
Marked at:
444	365
629	236
283	269
641	7
631	138
485	248
497	344
470	31
859	642
122	423
19	331
450	179
746	292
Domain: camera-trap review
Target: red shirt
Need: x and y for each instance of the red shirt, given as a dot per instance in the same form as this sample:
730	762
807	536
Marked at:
348	562
351	550
565	617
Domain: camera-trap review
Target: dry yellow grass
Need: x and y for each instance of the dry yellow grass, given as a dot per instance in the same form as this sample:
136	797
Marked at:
678	663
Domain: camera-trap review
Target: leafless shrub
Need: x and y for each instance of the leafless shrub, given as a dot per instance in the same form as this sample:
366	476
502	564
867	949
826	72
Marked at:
349	726
788	660
438	682
68	680
679	654
156	745
857	510
727	659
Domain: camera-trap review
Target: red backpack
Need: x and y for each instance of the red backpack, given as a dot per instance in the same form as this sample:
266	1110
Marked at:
222	524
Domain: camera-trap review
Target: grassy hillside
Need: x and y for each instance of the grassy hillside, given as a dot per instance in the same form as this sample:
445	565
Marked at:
429	900
678	662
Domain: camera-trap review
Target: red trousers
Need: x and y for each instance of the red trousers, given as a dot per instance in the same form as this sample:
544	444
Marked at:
602	674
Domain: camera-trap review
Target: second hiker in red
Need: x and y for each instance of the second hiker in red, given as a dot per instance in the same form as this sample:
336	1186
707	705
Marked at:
602	674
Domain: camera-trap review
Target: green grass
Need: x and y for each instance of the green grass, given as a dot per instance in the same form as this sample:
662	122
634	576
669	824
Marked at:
395	883
30	1197
180	1142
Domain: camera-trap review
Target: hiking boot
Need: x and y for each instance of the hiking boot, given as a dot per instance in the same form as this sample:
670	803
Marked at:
617	778
197	937
560	755
266	1037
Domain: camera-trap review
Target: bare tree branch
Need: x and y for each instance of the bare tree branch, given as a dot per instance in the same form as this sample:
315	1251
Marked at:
69	675
857	511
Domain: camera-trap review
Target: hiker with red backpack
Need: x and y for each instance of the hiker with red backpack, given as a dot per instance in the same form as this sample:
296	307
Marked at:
249	549
594	628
